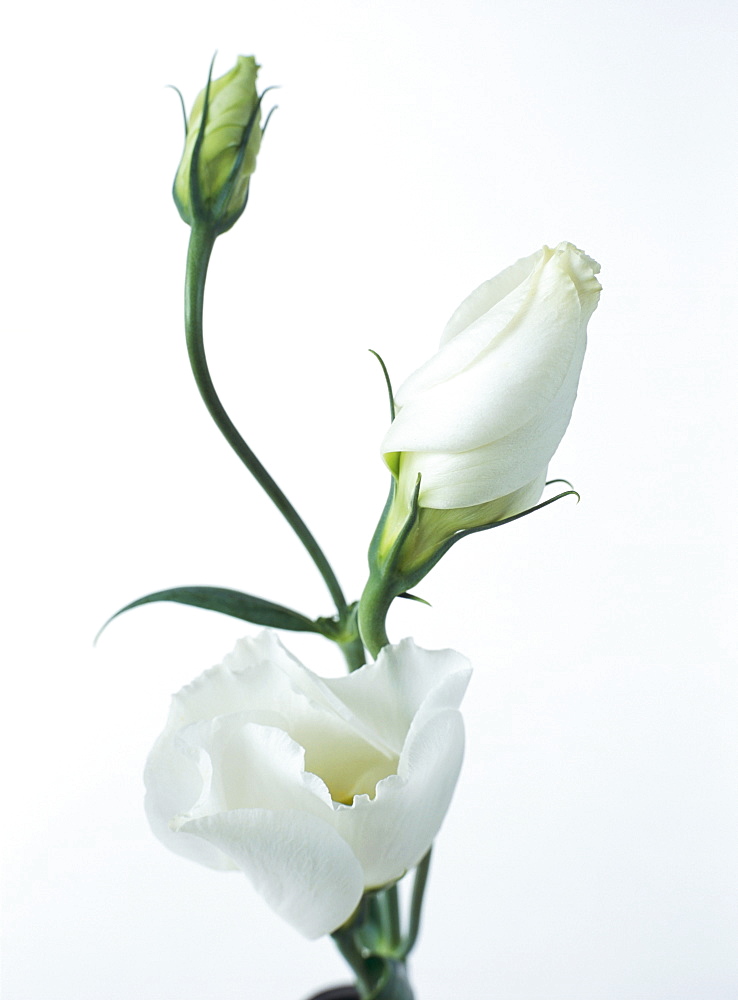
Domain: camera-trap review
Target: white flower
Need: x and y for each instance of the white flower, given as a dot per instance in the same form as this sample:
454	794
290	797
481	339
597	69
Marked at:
318	789
481	420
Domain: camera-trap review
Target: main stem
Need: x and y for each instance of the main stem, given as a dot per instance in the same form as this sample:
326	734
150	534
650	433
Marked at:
200	247
378	977
373	607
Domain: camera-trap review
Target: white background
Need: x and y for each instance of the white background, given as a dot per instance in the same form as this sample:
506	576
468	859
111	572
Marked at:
590	853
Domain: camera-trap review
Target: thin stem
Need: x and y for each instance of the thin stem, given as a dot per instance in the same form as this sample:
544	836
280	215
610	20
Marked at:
375	915
353	653
198	256
416	904
392	905
347	946
378	977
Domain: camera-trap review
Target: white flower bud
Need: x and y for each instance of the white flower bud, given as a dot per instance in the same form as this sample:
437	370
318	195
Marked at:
481	420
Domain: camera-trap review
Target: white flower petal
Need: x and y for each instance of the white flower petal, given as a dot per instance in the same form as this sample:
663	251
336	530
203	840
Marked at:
581	267
499	468
387	694
304	869
252	676
463	486
490	292
251	766
390	833
482	318
307	785
513	380
175	780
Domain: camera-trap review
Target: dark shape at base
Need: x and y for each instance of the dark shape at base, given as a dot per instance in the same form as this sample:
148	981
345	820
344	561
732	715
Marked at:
337	993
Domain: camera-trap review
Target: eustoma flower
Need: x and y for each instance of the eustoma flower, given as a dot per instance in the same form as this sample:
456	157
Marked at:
318	789
477	425
223	149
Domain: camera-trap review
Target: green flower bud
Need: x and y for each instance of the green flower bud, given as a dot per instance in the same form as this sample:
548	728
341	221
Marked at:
223	137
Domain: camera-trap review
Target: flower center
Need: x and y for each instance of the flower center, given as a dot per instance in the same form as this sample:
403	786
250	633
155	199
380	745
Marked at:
354	771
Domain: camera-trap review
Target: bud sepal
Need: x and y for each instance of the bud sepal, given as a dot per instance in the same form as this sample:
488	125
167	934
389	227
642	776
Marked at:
222	139
401	556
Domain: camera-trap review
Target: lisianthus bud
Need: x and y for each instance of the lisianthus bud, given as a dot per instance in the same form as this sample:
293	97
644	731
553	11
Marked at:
223	138
477	425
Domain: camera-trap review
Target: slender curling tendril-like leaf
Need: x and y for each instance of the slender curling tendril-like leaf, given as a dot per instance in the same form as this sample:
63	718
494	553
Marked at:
247	607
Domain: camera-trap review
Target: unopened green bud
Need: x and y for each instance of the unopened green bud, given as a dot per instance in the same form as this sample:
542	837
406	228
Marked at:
223	137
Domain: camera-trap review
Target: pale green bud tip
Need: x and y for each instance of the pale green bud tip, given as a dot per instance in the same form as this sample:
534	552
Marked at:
222	149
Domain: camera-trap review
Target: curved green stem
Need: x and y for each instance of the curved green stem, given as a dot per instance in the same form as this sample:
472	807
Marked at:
200	247
416	904
391	900
373	607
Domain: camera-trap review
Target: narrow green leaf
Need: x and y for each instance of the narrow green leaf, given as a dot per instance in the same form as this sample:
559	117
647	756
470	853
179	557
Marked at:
419	572
228	602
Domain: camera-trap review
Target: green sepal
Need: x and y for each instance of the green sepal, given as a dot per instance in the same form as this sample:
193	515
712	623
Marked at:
388	382
214	218
247	607
414	597
392	557
223	223
417	574
384	583
377	536
386	580
178	92
196	199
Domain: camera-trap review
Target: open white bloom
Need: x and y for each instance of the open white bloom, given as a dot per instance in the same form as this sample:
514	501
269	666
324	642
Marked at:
481	420
317	789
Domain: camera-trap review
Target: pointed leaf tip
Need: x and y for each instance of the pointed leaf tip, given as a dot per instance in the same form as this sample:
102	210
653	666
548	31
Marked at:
414	597
387	380
247	607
